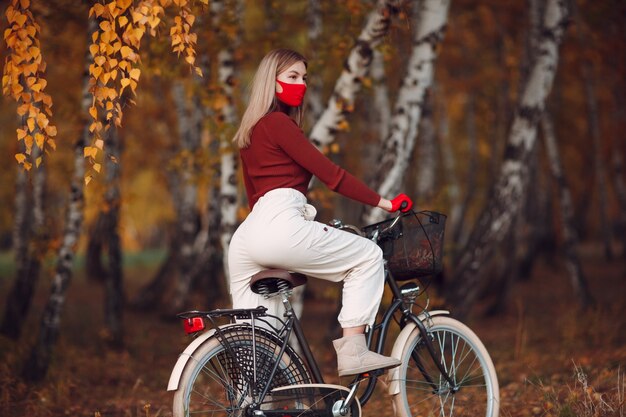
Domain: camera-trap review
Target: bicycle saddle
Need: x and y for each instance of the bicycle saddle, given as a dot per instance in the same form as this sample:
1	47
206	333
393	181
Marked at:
271	279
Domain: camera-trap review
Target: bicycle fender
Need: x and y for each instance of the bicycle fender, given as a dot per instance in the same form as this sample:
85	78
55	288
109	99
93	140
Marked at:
183	358
398	348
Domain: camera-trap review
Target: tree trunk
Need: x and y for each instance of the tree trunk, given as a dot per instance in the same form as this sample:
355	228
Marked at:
570	239
313	97
459	232
114	290
189	121
36	367
30	244
507	194
356	67
427	152
598	163
620	191
593	126
380	112
398	145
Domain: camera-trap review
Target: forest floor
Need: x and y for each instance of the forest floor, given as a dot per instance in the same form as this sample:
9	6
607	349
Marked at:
551	358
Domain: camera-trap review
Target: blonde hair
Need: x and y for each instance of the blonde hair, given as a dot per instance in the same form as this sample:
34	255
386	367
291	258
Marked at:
263	93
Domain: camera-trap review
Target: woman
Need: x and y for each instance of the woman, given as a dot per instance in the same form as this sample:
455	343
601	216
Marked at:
278	162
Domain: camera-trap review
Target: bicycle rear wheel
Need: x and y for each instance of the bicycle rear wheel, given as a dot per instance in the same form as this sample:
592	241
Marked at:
425	392
220	380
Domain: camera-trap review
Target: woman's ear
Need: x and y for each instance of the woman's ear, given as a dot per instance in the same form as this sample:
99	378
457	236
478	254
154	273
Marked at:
278	87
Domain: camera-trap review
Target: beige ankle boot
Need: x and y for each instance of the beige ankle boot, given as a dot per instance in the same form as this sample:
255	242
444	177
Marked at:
353	356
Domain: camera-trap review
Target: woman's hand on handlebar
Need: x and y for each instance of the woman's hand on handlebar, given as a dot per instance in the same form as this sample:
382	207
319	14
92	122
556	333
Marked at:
401	202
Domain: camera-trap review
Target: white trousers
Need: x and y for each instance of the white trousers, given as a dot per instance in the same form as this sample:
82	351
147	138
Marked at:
280	233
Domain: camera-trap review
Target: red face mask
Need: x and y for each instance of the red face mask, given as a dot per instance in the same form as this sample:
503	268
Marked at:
292	94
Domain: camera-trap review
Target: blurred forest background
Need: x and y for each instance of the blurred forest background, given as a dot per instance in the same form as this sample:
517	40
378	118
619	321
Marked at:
163	193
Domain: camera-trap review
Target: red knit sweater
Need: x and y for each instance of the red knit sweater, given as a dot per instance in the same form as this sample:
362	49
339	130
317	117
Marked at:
280	156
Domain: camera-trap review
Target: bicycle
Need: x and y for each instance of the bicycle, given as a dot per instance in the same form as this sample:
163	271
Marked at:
248	368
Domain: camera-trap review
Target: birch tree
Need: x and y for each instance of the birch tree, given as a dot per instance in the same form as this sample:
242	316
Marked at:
570	239
24	80
507	195
397	147
38	362
593	128
228	124
426	151
356	66
313	97
189	115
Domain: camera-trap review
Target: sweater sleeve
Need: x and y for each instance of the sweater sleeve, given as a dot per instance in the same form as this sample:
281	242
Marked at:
290	138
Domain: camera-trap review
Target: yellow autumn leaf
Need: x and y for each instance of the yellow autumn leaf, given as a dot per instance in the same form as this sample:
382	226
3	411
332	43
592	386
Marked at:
96	72
21	133
122	20
334	148
125	82
198	71
135	73
90	152
42	120
99	144
51	131
93	111
100	60
39	139
343	125
28	143
24	4
105	25
88	179
31	124
190	59
126	51
38	161
20	158
97	167
51	143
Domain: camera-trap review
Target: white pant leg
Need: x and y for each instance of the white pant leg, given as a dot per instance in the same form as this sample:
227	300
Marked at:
280	233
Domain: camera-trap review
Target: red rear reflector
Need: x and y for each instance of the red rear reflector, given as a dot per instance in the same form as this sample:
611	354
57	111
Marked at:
193	325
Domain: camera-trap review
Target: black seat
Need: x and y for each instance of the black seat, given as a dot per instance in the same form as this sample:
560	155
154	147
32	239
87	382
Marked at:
267	281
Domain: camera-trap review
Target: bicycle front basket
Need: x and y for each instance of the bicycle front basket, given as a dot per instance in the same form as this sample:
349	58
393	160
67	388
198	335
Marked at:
414	247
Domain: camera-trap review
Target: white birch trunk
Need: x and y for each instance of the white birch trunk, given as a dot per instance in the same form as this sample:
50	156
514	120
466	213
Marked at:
40	355
228	115
189	119
356	67
398	145
507	196
313	97
570	239
382	106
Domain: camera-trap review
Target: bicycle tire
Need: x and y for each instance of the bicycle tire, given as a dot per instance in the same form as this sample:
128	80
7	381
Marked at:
465	359
214	383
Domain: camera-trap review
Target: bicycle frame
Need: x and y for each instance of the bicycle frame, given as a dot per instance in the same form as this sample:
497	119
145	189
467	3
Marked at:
292	324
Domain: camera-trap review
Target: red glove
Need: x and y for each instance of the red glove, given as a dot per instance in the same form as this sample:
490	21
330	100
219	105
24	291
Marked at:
397	203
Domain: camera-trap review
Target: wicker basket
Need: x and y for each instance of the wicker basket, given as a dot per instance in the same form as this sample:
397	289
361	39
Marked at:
413	248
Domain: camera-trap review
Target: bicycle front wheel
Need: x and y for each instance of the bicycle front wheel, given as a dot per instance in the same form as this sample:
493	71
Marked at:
225	381
423	389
